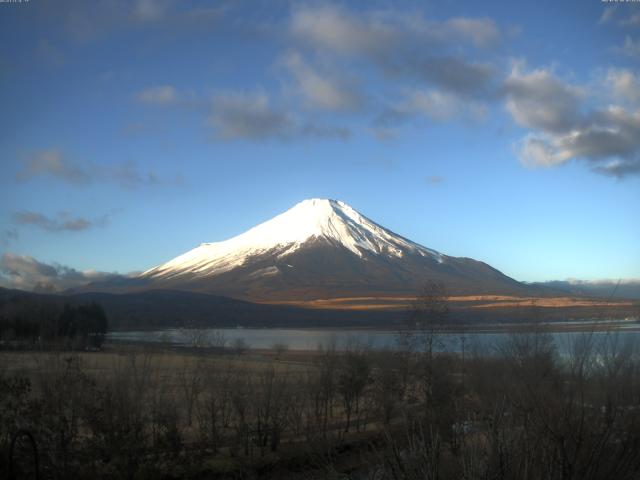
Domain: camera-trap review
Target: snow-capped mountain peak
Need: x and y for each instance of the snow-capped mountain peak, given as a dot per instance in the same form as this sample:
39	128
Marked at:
314	219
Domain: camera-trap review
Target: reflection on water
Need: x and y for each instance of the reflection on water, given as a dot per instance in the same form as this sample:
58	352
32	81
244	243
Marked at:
309	339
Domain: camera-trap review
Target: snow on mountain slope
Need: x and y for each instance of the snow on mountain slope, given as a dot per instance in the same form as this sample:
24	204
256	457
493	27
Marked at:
330	220
318	249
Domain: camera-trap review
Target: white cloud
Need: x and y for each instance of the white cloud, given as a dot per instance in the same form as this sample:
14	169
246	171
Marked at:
563	128
157	95
540	151
540	100
402	46
612	14
27	273
434	104
630	48
339	31
420	67
250	116
325	91
53	163
442	106
624	84
149	10
607	15
61	223
87	21
482	31
378	34
632	21
609	140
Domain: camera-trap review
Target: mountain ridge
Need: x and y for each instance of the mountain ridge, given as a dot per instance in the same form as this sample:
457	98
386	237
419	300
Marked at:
310	219
319	248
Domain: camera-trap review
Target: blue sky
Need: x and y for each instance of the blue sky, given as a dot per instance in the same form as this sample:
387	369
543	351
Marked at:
131	131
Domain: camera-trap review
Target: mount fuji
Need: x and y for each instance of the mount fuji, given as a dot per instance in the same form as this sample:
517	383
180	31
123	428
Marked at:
319	249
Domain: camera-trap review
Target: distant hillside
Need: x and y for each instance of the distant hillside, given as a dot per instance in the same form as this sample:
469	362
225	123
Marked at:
155	309
166	308
602	289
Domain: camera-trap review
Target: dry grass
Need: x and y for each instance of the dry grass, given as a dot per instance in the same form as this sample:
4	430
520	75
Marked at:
469	301
167	363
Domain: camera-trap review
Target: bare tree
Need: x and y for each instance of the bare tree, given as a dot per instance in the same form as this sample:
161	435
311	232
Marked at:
270	409
242	405
217	339
325	385
196	337
215	407
280	348
239	346
428	313
388	387
353	376
190	380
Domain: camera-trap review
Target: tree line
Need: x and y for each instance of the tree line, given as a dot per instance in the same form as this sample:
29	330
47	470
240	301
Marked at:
28	321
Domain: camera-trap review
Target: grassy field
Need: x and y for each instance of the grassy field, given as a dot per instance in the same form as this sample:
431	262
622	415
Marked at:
198	410
479	310
472	301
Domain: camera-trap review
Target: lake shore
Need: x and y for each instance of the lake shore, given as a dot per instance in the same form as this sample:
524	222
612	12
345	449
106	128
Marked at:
308	339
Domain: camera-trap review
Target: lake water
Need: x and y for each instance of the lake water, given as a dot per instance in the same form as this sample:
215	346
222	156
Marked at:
311	339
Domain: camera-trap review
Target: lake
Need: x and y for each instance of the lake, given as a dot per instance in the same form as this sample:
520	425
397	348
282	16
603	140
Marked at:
310	339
